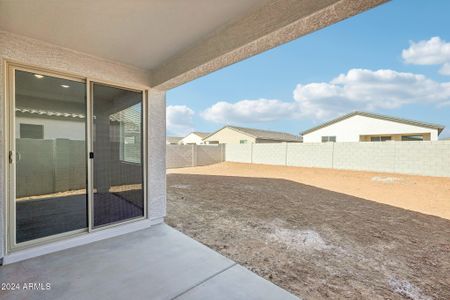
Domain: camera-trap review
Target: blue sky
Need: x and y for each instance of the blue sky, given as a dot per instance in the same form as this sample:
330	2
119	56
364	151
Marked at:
394	59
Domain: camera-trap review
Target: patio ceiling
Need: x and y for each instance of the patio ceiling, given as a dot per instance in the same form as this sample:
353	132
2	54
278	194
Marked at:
176	41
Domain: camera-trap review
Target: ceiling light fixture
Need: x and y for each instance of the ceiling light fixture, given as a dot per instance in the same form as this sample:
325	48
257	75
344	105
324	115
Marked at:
39	76
65	86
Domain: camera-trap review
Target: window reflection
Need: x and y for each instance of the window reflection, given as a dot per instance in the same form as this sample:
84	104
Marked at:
50	131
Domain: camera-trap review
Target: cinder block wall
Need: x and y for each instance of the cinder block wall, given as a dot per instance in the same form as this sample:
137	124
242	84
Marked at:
416	158
207	155
428	158
271	154
370	156
239	153
179	156
310	155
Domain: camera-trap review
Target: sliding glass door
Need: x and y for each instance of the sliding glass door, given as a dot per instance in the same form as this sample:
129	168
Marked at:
117	154
76	156
50	154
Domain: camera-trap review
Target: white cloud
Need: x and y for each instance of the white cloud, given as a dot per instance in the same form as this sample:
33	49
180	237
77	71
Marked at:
445	69
434	51
179	120
250	111
361	89
358	89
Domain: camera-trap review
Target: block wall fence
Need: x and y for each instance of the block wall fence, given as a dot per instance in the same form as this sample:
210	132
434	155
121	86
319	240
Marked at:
416	158
179	156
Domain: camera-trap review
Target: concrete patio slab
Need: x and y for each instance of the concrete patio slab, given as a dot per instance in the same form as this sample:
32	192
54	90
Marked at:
236	283
155	263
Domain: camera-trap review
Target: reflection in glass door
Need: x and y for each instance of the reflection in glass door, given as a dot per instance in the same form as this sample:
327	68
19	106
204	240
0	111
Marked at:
49	145
118	193
52	126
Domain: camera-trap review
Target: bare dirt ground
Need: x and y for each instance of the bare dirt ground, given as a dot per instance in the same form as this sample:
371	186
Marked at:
315	242
428	195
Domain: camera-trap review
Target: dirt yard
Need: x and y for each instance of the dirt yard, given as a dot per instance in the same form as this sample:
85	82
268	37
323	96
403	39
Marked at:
428	195
313	241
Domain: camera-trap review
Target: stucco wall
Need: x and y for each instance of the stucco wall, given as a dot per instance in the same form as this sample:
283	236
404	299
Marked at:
156	154
418	158
349	130
36	53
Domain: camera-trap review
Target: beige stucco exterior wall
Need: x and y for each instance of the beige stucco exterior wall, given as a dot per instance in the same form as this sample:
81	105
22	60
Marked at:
36	53
229	136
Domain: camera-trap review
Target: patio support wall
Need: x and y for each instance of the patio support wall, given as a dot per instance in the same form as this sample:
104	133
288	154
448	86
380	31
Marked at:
37	53
157	153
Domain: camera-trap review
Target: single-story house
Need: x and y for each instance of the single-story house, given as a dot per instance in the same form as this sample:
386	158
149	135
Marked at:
361	126
194	138
173	140
241	135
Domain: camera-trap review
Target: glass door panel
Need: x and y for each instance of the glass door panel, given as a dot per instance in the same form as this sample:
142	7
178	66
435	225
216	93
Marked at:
50	148
118	193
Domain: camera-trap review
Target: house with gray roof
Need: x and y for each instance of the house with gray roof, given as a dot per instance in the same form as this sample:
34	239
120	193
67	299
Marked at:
241	135
361	126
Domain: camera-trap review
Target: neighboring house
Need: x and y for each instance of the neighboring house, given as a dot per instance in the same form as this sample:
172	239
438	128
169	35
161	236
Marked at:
194	138
241	135
173	140
369	127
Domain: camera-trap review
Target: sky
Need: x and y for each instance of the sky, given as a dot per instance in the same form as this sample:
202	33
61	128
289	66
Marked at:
393	60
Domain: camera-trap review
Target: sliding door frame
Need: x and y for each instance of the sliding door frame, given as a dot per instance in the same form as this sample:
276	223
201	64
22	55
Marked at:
10	154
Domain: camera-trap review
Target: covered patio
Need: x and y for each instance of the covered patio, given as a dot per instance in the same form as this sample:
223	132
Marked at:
88	53
158	261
